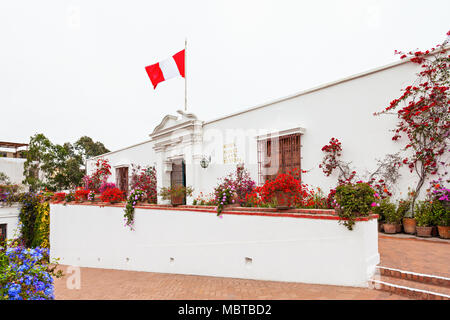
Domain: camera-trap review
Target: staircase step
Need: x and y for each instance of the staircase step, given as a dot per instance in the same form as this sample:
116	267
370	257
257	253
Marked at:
414	276
407	290
411	284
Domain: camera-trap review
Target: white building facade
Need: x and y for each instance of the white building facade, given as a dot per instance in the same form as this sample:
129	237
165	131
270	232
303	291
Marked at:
301	124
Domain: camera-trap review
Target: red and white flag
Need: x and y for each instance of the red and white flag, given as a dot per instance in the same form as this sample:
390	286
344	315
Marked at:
167	69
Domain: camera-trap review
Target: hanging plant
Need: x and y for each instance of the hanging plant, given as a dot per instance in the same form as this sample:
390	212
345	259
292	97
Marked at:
134	197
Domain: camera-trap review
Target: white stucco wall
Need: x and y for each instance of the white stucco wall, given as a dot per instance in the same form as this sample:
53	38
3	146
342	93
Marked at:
281	249
13	168
9	215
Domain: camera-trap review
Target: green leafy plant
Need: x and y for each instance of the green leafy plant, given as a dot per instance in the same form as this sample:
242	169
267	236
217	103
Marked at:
133	198
423	213
354	200
389	211
175	192
440	214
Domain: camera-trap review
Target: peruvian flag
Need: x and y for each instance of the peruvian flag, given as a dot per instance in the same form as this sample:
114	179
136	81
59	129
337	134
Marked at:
167	69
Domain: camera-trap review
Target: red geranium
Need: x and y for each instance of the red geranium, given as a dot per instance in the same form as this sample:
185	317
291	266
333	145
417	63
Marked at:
112	195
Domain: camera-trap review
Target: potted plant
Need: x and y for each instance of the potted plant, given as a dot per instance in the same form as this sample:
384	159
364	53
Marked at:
391	215
353	201
441	216
409	223
403	208
286	189
423	216
176	194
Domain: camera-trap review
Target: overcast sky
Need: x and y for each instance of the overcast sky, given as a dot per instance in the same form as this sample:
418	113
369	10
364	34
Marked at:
71	68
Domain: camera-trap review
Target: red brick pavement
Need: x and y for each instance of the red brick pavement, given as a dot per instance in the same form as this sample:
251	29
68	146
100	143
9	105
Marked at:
421	256
408	254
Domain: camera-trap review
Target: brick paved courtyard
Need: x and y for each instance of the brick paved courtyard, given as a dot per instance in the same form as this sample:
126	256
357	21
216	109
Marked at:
409	254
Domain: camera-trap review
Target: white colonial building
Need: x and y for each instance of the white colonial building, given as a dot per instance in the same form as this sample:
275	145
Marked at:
277	136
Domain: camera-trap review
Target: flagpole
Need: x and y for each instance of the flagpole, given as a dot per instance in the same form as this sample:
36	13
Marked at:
185	76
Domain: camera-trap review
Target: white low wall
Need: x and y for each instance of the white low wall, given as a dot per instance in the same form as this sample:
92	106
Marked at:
185	242
10	217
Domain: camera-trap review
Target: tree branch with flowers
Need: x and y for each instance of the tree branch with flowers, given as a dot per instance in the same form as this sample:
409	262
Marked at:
423	114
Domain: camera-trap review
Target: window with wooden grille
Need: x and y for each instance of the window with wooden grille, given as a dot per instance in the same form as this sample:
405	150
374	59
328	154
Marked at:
2	232
278	155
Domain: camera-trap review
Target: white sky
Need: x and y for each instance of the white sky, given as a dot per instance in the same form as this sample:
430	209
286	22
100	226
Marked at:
71	68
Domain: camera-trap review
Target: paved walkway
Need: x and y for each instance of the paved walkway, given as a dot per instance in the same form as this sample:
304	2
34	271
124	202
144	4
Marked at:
408	254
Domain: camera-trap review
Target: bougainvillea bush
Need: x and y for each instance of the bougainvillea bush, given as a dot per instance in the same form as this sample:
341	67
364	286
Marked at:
423	114
106	185
100	175
145	179
233	188
26	273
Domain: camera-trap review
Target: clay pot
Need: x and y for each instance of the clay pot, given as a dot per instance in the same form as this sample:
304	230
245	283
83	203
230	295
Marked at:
282	200
444	232
176	200
409	225
424	232
434	231
398	227
390	228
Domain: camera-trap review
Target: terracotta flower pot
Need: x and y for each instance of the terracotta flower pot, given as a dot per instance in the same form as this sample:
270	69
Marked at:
390	228
398	227
176	200
409	225
282	200
434	231
444	232
424	231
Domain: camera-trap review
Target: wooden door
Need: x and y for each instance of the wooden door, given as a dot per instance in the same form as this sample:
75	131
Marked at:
122	179
178	175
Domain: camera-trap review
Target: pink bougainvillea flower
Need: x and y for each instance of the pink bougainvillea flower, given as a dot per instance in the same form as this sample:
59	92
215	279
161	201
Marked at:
374	204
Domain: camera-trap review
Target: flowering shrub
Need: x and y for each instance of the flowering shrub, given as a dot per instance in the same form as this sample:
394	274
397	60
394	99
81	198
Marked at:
224	194
91	196
204	200
133	198
354	200
330	160
101	174
106	185
144	179
424	117
59	196
26	274
290	185
69	197
81	194
233	188
112	195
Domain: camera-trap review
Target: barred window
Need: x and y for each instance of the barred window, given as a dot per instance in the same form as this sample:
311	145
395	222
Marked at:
278	155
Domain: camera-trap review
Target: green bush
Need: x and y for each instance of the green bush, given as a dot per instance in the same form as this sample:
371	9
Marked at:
389	211
440	214
404	208
423	213
354	200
